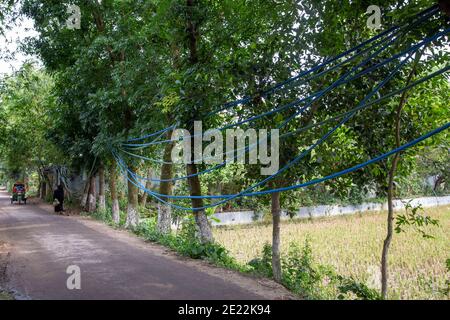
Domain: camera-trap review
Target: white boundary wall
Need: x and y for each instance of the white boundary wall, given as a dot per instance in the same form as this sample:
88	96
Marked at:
247	217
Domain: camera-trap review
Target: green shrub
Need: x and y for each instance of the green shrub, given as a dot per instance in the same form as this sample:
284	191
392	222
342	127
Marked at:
301	275
358	289
103	215
187	244
263	265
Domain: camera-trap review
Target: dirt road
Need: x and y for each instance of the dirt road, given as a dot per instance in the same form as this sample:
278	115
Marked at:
37	247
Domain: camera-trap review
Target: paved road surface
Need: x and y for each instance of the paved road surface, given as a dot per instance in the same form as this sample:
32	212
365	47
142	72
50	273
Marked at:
36	248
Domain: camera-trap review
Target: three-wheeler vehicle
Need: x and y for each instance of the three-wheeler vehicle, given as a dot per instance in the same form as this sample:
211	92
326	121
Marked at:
19	193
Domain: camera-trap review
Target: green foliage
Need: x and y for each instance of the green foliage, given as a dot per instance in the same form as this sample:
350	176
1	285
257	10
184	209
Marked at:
413	218
309	280
432	162
105	215
186	244
360	290
27	100
129	71
263	265
299	274
446	290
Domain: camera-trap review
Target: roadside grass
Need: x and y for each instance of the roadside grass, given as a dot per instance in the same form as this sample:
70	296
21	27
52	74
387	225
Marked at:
352	246
5	296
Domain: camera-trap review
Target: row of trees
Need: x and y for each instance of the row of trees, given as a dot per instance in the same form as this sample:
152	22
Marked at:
136	67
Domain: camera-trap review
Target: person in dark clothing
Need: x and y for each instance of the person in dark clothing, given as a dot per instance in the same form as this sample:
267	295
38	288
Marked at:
58	196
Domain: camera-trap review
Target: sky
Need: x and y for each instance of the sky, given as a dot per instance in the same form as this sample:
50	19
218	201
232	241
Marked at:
10	43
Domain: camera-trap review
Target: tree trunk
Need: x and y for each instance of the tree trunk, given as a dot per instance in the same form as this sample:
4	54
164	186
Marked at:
113	190
44	190
101	188
440	180
203	227
41	185
276	215
390	228
39	192
165	211
92	201
395	161
84	197
148	185
132	209
46	187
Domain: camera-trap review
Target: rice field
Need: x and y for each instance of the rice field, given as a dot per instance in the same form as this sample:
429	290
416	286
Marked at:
353	244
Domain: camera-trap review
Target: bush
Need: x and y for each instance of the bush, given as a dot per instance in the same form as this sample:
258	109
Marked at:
103	215
187	244
360	290
303	277
311	281
263	265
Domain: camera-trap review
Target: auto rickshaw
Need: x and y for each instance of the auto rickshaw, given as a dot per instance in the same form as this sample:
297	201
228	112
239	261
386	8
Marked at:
19	193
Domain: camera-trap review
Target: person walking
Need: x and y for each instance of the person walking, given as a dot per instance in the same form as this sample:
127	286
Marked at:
58	199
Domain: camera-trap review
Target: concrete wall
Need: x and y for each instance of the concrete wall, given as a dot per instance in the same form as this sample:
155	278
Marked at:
246	217
240	217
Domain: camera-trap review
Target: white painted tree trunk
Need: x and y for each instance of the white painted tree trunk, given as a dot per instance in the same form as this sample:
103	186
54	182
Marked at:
101	188
203	227
84	199
113	190
132	209
132	217
164	219
276	238
92	203
116	211
92	199
101	202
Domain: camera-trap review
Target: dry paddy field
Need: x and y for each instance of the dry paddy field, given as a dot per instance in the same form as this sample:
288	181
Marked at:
352	245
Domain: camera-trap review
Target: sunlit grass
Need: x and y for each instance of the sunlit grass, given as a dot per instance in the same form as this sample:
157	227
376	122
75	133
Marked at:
352	245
